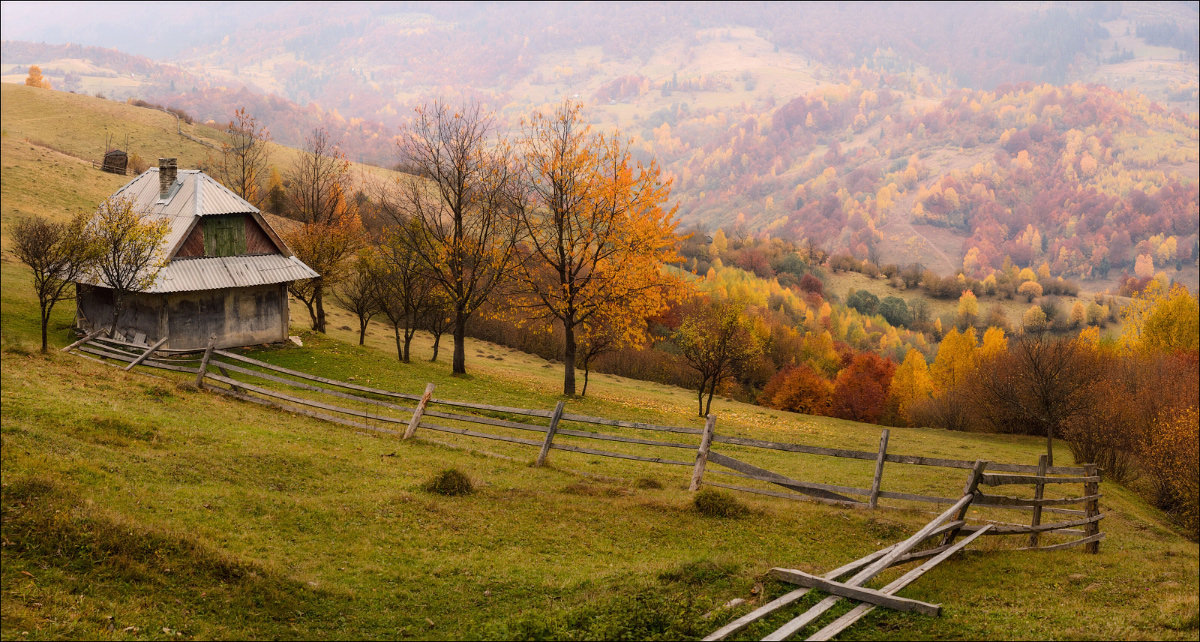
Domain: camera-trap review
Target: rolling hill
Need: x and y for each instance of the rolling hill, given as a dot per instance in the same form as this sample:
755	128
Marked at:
905	101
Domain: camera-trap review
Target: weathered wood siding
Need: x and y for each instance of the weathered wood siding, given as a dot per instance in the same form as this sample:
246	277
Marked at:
257	241
193	245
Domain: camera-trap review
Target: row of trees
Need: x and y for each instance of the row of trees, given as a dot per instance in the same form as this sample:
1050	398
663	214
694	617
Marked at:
561	223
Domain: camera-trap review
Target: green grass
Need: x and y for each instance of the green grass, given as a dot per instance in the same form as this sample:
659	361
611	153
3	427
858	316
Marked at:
137	507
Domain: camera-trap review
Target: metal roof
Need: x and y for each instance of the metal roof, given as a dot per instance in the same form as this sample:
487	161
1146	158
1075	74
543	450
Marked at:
193	194
215	273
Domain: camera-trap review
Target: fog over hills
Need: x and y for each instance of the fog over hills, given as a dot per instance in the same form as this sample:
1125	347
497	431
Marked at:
954	133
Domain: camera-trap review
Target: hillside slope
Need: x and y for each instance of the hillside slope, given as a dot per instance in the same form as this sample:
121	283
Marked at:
137	507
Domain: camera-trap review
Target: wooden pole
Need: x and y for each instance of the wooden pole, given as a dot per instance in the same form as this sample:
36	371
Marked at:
416	416
212	342
91	335
883	441
558	411
970	489
1039	490
1092	508
149	351
710	427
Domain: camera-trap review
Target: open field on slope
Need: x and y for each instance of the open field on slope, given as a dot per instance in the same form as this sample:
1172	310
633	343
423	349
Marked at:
136	508
75	126
840	283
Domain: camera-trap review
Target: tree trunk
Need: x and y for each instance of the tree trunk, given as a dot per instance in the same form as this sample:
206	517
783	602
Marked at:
112	329
1049	447
399	350
585	381
408	335
703	384
437	338
318	294
45	324
568	358
459	365
712	389
362	330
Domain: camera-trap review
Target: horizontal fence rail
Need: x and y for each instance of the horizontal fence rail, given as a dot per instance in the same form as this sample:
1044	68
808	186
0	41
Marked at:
376	410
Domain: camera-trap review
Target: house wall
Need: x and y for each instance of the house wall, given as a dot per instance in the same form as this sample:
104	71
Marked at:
236	317
141	316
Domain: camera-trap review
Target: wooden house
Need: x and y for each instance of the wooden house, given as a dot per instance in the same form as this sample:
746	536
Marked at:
226	272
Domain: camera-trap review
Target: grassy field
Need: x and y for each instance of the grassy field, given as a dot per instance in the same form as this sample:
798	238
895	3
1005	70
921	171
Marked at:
136	507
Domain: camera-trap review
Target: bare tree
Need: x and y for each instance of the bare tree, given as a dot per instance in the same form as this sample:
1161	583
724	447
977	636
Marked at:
128	257
318	184
59	254
359	291
1036	387
437	319
243	163
461	199
405	288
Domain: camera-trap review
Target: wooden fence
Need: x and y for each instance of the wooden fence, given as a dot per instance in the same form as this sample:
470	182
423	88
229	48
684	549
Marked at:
400	414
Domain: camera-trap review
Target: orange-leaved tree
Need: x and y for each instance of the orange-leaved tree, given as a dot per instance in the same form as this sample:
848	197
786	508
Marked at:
36	79
861	389
331	230
596	233
799	389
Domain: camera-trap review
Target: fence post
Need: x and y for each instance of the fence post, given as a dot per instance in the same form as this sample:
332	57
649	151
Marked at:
971	488
558	411
416	416
1039	490
1092	508
883	439
710	427
204	362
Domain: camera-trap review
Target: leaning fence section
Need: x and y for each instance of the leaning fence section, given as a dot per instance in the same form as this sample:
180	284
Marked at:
1049	514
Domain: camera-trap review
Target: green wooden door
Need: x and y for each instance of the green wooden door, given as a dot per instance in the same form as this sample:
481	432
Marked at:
224	235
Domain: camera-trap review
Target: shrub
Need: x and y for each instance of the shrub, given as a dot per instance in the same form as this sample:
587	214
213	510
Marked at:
449	482
715	503
896	311
863	301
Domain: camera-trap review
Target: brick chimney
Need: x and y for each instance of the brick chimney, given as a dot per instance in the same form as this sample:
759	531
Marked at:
166	176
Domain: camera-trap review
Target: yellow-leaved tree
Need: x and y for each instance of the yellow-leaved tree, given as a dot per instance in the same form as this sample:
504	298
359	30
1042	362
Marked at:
910	385
994	344
1160	320
595	235
129	257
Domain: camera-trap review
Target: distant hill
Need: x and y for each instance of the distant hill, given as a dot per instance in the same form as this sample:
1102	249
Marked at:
906	101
